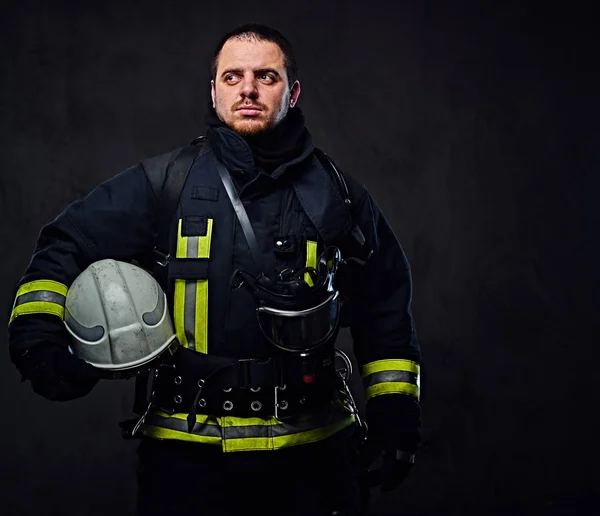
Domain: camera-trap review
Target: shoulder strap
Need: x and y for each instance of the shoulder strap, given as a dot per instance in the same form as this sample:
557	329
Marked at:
328	162
176	173
343	187
167	175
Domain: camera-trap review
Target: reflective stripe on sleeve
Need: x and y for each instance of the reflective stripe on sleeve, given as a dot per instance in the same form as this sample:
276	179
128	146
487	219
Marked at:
40	297
311	259
191	296
393	376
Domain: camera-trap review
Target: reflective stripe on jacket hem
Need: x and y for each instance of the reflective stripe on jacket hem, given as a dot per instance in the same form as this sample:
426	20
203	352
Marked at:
248	434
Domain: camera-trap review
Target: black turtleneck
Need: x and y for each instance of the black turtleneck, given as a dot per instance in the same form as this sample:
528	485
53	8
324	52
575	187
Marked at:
288	142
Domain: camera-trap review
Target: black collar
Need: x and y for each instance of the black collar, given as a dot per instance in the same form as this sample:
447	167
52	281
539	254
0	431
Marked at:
273	152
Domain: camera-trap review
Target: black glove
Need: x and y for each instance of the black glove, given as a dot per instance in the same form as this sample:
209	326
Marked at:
55	373
394	422
395	467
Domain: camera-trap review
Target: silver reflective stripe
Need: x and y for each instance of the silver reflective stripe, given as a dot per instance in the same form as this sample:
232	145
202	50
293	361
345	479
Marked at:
40	295
282	429
189	313
189	317
248	431
192	247
237	432
391	376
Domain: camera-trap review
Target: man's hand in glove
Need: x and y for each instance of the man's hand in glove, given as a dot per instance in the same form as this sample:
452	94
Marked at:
395	467
394	434
55	373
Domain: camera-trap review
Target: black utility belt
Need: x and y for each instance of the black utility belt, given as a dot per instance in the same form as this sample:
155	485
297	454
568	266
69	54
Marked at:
245	388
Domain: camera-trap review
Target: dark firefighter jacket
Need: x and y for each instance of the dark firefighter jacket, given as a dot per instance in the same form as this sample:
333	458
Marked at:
118	220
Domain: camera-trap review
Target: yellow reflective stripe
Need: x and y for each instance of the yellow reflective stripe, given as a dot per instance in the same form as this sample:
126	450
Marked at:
182	243
204	241
383	377
38	307
179	303
191	296
160	425
40	297
50	285
255	433
311	259
230	421
158	432
392	388
179	295
390	365
201	329
285	441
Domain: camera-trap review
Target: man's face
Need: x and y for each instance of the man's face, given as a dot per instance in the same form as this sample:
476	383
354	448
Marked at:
250	92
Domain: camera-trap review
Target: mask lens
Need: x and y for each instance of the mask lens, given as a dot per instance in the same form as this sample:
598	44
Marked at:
303	330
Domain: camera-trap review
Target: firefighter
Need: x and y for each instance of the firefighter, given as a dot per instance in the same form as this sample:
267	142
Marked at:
270	249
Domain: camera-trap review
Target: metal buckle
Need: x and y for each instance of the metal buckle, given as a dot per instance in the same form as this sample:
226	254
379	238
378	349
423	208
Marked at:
162	258
234	282
280	405
346	372
140	422
350	406
276	403
286	274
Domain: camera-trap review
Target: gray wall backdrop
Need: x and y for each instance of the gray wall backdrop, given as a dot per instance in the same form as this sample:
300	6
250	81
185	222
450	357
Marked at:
475	128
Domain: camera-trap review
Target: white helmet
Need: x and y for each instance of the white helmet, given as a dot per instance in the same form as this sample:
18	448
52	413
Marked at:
118	317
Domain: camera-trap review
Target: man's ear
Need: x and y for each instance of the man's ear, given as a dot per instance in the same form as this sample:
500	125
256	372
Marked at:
295	93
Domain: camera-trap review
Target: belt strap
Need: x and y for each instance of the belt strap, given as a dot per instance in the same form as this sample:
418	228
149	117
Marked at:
240	387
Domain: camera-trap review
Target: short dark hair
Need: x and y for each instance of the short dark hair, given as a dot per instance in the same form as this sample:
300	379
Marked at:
259	32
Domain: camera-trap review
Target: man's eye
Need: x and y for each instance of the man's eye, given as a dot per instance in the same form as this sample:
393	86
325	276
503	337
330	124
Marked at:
266	77
230	78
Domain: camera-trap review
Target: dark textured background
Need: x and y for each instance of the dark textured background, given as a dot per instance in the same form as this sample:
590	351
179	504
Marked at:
476	131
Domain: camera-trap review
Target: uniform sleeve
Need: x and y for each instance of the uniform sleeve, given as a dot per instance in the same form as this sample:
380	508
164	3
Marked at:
384	336
115	220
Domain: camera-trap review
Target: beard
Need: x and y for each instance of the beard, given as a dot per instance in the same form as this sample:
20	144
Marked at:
251	126
254	126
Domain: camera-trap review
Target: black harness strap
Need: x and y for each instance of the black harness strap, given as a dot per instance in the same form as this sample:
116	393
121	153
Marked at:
169	198
240	211
325	159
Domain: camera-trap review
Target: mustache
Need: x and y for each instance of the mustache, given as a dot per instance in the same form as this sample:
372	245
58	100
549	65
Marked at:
242	104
